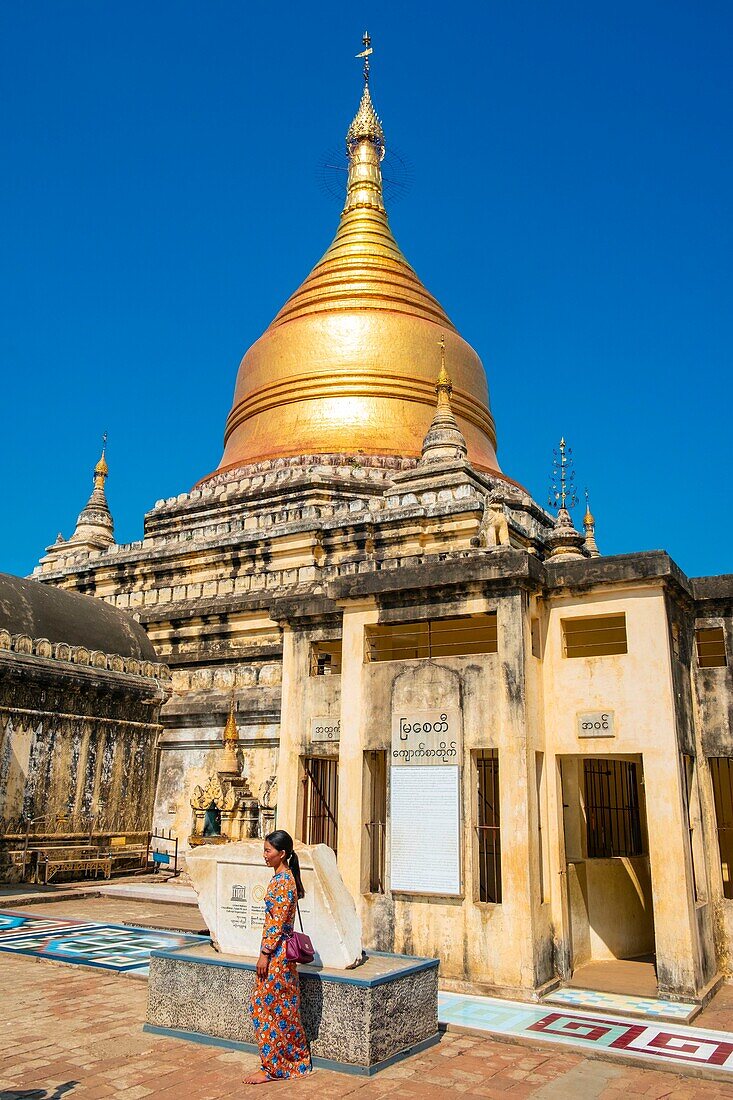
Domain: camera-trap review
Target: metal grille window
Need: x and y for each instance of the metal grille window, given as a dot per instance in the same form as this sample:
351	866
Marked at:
711	647
454	637
320	801
613	818
721	773
600	636
376	773
488	825
326	659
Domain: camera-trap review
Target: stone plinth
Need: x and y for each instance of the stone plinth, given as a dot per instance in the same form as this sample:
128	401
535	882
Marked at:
356	1020
231	881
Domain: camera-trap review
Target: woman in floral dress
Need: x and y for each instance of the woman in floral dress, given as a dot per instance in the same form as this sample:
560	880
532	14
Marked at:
275	1004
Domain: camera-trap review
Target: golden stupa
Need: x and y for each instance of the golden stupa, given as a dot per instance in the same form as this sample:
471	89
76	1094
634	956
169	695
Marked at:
348	365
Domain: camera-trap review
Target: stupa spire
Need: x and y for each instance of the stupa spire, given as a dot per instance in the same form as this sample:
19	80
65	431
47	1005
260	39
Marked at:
564	541
589	525
230	739
95	527
444	440
365	148
347	363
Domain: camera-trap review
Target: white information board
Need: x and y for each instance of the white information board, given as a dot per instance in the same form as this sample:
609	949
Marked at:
425	829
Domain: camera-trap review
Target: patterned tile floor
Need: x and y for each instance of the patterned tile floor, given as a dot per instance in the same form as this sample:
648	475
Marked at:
109	946
655	1008
656	1042
124	948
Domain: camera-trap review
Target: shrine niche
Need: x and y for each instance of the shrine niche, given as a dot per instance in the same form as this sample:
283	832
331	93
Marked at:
225	809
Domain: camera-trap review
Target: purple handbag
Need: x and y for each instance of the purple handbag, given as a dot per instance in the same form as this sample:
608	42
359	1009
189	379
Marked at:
298	946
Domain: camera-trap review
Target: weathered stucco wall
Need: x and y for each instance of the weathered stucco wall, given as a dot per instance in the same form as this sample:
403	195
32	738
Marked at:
638	688
77	742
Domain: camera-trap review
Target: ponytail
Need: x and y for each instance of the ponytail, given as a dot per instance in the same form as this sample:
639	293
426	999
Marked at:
294	865
283	842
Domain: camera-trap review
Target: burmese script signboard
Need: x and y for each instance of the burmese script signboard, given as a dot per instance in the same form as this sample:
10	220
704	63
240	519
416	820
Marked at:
325	729
240	896
428	737
425	794
596	723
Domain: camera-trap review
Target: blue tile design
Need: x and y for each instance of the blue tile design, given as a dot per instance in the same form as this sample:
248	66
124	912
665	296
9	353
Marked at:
108	946
649	1007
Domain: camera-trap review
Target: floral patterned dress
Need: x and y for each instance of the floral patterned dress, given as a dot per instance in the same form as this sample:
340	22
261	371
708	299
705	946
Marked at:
275	1004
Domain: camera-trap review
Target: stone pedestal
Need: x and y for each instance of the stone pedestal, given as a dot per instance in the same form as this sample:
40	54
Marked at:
358	1021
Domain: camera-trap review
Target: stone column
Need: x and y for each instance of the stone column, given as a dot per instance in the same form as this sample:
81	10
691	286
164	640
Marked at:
351	831
291	718
520	865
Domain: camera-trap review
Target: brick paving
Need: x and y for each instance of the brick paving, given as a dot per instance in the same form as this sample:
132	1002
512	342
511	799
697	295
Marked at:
76	1033
107	910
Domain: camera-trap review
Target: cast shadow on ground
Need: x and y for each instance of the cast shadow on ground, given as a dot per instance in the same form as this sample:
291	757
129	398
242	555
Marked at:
38	1094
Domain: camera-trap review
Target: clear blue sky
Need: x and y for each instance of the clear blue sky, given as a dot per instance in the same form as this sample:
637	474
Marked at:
570	207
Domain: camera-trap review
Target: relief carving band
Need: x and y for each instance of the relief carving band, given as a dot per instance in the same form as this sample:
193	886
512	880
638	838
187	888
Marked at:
426	737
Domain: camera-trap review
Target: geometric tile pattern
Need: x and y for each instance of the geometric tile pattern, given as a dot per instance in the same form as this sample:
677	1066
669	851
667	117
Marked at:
616	1035
649	1007
108	946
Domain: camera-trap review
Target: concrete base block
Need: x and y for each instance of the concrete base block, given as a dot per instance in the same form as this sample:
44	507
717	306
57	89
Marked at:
357	1021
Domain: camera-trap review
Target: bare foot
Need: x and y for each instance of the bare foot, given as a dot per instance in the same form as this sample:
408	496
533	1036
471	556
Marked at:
260	1078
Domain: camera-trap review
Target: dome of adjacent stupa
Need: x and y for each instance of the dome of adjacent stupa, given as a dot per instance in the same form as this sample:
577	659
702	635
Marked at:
349	363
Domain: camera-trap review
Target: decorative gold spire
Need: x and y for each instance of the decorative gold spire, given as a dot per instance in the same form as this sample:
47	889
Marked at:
101	470
366	124
589	525
95	527
345	366
444	441
444	386
231	733
230	739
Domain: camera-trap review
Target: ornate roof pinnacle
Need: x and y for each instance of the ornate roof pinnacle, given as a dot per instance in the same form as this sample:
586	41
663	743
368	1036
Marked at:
589	525
94	527
444	440
443	383
366	124
101	470
231	733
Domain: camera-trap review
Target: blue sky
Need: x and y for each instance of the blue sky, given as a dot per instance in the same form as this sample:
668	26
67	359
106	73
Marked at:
570	206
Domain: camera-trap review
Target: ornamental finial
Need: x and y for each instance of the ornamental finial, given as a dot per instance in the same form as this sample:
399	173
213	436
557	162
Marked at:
444	382
101	470
589	525
562	483
231	733
366	125
366	54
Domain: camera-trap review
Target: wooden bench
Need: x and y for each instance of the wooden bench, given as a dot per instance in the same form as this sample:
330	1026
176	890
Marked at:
86	864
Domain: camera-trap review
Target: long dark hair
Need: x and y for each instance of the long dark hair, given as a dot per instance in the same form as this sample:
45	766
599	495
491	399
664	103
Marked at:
283	842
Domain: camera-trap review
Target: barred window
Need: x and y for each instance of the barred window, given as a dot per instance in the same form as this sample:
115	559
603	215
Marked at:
376	777
488	830
711	647
613	817
599	636
458	636
326	659
320	801
721	772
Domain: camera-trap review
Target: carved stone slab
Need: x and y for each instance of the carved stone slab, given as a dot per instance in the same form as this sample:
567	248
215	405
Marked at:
231	881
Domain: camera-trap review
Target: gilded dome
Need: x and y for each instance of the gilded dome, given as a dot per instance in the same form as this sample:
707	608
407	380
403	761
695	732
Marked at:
349	363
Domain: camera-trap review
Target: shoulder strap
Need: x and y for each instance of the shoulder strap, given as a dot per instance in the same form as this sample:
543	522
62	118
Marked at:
297	909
